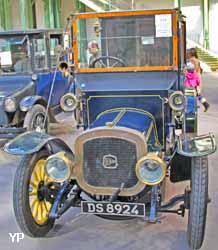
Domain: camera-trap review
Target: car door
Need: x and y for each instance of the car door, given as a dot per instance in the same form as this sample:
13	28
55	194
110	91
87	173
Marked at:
56	53
45	63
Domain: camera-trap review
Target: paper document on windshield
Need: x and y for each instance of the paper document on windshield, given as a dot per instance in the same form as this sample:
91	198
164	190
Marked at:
163	25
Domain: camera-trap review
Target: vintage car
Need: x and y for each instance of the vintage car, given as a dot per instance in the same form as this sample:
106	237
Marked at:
28	60
139	130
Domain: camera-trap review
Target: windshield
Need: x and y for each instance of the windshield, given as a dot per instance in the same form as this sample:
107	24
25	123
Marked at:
14	54
128	41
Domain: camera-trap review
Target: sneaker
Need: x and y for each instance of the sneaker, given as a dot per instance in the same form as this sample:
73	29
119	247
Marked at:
206	106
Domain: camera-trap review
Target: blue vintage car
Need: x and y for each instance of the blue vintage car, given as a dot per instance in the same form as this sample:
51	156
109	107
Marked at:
28	61
139	130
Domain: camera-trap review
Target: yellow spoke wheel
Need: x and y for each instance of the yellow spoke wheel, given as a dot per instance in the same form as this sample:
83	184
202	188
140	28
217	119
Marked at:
39	206
31	208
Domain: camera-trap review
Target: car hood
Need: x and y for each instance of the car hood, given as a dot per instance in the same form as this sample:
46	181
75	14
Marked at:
10	85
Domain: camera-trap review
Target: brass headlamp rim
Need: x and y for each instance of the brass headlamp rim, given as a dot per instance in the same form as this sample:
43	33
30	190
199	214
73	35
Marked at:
153	157
61	155
62	102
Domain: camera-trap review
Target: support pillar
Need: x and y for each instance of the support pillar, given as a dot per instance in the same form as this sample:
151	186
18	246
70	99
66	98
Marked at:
82	36
5	14
57	13
178	4
26	14
49	14
205	5
29	6
23	21
52	13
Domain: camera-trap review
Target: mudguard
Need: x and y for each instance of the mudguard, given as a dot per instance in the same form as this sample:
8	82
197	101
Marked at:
196	146
29	101
32	142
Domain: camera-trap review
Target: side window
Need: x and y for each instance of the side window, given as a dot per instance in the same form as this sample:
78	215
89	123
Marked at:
55	49
40	55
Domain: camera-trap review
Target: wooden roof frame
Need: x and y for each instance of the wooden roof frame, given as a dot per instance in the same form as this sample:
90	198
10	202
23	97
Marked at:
175	19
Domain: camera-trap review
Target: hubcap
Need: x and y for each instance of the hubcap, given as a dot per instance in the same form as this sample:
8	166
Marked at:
38	205
38	123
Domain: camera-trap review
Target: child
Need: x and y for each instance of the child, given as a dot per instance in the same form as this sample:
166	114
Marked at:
192	81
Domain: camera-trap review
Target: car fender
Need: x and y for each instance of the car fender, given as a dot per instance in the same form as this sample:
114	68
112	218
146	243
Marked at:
197	146
32	142
29	101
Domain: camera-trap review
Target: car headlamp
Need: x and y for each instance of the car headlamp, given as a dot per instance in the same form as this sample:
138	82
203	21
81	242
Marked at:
151	169
58	167
69	102
177	101
10	104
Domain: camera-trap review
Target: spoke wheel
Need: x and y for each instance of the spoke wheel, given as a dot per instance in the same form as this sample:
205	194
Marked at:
35	119
38	205
31	206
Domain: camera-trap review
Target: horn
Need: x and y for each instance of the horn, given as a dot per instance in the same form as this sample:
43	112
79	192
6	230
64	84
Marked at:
64	67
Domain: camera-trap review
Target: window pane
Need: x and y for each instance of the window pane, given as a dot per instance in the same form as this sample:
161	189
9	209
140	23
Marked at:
14	54
55	49
133	41
40	56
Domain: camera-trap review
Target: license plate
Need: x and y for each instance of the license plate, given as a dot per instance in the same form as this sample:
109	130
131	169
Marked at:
115	208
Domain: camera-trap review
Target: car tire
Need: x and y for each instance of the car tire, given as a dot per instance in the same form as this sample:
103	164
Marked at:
34	119
198	202
23	200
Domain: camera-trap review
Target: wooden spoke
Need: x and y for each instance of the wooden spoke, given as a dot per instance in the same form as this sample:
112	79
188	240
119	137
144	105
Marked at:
48	205
35	210
33	203
34	183
40	216
44	210
36	176
42	167
33	192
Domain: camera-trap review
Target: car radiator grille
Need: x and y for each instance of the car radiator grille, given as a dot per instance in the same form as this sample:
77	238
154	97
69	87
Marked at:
100	171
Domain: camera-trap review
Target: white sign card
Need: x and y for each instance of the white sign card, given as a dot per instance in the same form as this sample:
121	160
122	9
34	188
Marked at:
163	25
146	40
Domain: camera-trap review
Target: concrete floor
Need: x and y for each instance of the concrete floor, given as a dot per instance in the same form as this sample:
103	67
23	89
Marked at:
81	232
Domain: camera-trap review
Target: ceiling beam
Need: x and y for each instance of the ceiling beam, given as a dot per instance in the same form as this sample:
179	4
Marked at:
92	5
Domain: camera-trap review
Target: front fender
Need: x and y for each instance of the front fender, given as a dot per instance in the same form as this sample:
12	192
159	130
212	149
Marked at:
32	142
196	146
29	101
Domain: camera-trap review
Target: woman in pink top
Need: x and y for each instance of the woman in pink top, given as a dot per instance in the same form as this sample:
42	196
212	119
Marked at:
192	80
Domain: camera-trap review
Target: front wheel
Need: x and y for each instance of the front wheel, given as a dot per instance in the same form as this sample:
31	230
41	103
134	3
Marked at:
198	202
35	119
31	207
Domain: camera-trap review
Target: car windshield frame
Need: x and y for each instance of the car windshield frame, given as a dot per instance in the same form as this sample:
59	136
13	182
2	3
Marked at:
143	13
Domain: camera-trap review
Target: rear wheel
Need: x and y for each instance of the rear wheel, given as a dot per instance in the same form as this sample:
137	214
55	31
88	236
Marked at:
29	196
198	202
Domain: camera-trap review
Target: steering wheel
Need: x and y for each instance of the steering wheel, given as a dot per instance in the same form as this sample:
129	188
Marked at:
101	60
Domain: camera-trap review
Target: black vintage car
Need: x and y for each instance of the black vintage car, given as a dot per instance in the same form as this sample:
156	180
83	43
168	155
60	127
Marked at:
140	130
28	61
